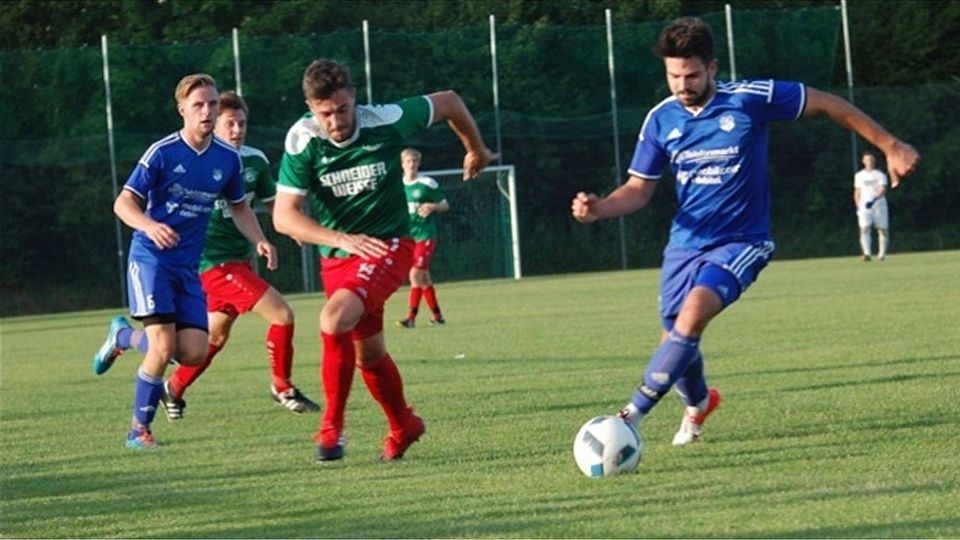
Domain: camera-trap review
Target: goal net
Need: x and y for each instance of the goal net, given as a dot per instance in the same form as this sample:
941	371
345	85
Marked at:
479	237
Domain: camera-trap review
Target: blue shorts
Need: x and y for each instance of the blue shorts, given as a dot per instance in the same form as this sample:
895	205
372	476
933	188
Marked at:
684	269
169	293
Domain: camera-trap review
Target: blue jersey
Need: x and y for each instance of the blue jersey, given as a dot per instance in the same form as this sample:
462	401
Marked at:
719	159
181	186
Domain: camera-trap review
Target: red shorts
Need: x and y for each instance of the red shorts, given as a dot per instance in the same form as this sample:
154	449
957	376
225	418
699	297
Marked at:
233	287
373	280
423	253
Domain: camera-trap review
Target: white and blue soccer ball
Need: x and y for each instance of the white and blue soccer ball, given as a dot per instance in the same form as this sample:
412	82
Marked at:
605	446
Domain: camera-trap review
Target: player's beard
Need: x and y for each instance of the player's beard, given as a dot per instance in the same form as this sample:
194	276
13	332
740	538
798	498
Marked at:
697	100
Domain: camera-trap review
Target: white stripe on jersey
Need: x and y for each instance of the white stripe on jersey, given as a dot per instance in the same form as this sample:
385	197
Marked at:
760	88
140	309
291	189
749	256
656	107
155	147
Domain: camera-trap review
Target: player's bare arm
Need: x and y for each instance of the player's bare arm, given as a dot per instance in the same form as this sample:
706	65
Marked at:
247	223
289	219
902	158
448	105
127	208
626	199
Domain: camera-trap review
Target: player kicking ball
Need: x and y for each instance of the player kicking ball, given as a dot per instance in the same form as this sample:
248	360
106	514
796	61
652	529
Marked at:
713	135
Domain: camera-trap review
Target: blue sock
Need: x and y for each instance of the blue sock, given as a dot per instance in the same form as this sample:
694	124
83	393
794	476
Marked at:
692	385
125	339
146	397
671	360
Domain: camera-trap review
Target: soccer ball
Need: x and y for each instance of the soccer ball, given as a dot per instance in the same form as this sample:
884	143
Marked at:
605	446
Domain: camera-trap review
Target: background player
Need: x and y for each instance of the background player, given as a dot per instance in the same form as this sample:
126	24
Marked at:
714	137
425	200
348	157
180	177
869	196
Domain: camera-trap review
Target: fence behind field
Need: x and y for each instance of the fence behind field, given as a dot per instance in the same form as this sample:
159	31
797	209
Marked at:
554	121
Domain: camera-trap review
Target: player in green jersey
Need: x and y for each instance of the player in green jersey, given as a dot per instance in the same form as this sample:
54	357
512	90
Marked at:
231	285
425	200
348	157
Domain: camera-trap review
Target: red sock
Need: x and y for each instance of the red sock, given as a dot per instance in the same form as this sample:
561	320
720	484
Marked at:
414	302
430	295
280	353
184	376
385	385
336	372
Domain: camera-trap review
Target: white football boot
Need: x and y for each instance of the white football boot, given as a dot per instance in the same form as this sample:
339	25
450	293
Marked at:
691	427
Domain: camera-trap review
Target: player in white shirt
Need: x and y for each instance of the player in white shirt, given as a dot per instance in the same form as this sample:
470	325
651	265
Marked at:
869	195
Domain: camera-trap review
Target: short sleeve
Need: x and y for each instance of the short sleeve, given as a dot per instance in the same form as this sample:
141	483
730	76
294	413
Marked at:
649	157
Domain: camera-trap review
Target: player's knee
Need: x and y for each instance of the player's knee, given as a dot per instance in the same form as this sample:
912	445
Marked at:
219	338
336	322
721	281
192	357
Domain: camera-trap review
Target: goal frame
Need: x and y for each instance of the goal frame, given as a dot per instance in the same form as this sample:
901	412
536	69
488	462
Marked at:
510	193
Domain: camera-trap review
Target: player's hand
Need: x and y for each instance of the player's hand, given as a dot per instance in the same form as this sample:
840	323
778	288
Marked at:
583	207
902	160
426	209
475	161
869	204
269	252
362	245
162	235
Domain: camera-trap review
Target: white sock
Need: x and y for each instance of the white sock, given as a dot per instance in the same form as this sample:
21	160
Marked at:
865	241
633	415
884	240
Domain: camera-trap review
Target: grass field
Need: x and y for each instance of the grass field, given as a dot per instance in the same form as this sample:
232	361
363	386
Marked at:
841	419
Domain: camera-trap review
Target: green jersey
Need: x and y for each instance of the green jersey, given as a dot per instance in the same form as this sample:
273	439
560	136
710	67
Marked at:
357	184
420	190
224	242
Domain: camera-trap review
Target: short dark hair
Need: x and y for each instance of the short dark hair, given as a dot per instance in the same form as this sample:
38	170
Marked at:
232	100
686	37
324	77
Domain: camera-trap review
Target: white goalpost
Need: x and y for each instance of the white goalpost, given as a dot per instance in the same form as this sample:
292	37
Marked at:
478	192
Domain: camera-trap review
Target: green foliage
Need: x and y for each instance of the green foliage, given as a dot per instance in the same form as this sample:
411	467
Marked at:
838	420
555	120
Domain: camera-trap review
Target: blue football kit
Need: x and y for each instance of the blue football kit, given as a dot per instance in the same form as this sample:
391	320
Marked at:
181	186
719	160
720	237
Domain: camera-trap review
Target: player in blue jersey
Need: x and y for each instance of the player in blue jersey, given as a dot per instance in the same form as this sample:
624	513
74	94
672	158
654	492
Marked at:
180	177
714	137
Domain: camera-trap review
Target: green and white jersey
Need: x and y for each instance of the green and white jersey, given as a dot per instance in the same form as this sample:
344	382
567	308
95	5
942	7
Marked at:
224	242
420	190
357	184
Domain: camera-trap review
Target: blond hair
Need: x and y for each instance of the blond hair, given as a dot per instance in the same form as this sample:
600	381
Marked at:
411	152
190	82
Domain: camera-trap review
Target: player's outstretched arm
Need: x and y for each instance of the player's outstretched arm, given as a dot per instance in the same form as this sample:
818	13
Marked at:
448	105
626	199
902	158
127	208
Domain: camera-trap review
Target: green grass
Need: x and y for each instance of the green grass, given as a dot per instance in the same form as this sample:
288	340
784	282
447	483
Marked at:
840	419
